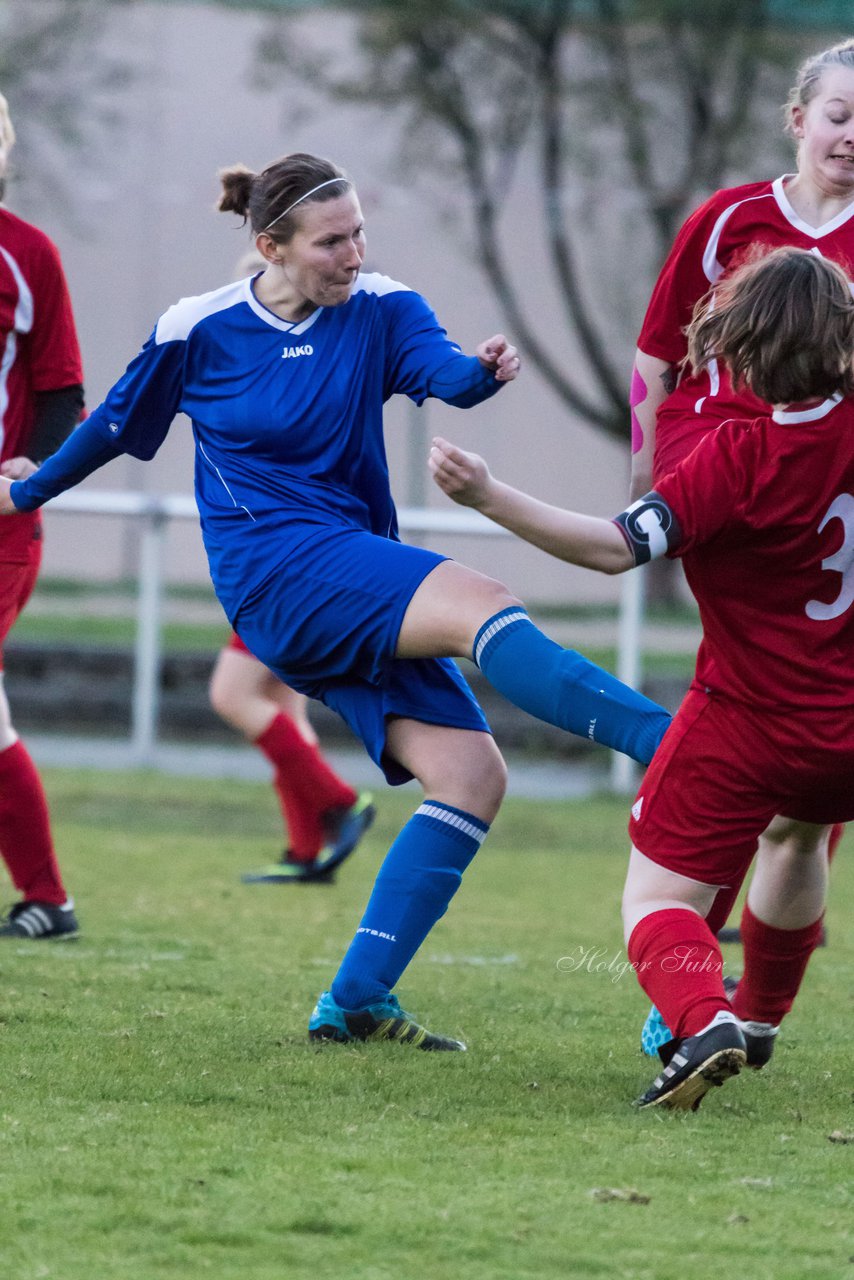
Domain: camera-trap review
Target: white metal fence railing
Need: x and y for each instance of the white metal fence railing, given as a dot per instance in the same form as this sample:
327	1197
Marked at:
154	512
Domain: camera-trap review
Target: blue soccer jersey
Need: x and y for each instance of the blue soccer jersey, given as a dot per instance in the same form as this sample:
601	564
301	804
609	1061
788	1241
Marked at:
287	418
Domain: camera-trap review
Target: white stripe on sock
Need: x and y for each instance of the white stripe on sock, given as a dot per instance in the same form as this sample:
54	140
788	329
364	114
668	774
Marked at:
493	629
453	820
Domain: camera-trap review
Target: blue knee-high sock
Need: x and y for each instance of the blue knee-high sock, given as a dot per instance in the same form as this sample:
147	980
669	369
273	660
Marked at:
421	873
564	688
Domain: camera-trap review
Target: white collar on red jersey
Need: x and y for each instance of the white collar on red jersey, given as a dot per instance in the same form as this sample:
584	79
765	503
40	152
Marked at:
778	186
790	417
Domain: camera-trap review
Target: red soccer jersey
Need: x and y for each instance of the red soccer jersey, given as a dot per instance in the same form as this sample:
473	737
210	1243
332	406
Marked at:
38	342
733	226
766	512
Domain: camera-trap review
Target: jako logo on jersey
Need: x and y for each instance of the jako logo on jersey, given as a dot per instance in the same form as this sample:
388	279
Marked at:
290	352
636	808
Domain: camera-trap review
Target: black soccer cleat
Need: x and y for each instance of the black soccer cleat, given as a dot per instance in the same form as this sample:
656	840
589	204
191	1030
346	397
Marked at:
36	920
344	830
699	1063
289	871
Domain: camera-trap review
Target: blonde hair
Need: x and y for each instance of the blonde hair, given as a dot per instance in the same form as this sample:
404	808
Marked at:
7	132
809	75
783	326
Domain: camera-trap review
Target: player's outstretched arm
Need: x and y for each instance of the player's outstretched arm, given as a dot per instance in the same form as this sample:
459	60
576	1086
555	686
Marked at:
584	540
83	452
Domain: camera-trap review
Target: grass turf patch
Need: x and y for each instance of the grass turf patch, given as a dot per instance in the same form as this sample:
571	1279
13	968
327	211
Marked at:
165	1115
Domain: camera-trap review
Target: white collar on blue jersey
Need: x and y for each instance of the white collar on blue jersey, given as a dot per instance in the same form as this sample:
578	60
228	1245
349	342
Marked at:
270	318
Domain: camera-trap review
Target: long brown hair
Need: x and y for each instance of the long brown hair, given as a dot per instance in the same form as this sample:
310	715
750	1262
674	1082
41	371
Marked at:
783	326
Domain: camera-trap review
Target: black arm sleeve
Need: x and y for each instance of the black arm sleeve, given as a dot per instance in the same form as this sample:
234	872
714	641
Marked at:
649	527
57	414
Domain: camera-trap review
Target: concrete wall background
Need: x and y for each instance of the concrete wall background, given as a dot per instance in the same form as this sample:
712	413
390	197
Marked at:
144	234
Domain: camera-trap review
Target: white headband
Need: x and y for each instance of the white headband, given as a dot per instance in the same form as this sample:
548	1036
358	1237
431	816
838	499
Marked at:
319	187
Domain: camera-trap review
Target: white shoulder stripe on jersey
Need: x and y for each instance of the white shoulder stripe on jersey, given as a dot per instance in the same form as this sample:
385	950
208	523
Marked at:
712	269
373	282
7	359
24	308
22	323
176	324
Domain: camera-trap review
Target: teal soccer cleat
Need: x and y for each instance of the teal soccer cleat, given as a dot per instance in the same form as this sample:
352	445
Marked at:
655	1035
382	1021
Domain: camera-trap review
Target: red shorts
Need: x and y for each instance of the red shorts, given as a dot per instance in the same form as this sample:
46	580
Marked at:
724	770
20	559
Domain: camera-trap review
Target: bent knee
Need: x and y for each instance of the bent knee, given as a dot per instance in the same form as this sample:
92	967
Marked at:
478	787
500	596
222	698
491	786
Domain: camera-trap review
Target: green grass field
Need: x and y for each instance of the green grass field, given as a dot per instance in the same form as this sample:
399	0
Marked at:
163	1114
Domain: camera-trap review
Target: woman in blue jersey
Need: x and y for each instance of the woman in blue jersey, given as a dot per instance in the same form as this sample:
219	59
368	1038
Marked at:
284	377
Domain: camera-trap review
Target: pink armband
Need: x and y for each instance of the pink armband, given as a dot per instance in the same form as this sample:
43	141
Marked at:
638	392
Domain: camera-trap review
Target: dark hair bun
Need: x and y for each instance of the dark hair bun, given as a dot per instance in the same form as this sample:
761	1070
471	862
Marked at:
236	188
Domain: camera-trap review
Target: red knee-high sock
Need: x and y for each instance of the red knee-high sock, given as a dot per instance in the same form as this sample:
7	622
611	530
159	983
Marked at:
775	961
725	898
25	839
306	786
679	965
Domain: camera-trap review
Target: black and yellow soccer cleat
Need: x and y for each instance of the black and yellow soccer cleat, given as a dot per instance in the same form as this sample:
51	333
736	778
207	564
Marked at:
385	1021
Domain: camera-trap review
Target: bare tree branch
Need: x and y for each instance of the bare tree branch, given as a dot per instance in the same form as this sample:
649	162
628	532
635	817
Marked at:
62	90
667	87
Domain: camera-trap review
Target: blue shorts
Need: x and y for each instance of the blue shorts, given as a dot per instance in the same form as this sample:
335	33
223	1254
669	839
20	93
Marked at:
326	622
